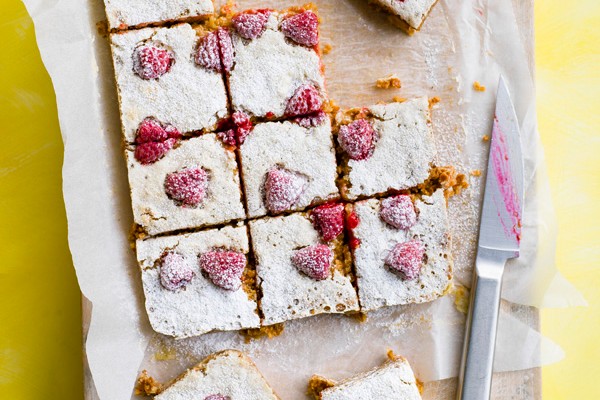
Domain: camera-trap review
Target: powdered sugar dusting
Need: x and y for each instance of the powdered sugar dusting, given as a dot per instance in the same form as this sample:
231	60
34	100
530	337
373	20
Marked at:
174	272
398	211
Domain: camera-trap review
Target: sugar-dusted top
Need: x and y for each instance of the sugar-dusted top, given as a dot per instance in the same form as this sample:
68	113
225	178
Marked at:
287	292
394	380
378	286
201	306
188	96
154	207
228	373
128	13
413	12
403	152
307	152
269	69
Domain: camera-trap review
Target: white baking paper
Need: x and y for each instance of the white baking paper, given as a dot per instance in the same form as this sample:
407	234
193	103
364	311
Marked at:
460	42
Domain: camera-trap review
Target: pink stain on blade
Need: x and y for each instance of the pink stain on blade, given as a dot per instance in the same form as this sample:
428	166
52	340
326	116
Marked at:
506	182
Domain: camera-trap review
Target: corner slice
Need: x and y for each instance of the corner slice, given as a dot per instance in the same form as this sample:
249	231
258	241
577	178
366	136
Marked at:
158	77
394	380
124	14
299	274
229	374
198	282
385	147
277	70
408	15
410	263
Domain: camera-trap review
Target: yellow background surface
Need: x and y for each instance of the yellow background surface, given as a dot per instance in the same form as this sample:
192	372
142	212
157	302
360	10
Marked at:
40	325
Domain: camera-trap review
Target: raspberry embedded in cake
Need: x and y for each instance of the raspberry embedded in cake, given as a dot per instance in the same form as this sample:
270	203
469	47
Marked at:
224	268
187	187
183	282
236	129
194	185
394	380
150	84
399	211
154	139
300	276
311	120
151	61
124	14
400	266
276	73
226	375
287	167
388	147
252	23
302	28
282	189
408	15
406	259
314	261
175	273
356	139
328	220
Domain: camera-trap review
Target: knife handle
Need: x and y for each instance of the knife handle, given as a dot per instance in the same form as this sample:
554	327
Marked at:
475	378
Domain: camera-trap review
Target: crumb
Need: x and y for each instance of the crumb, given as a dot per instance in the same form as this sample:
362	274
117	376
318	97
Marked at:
390	81
461	298
399	99
270	332
102	28
147	385
317	384
478	87
358	316
486	138
433	101
327	48
476	172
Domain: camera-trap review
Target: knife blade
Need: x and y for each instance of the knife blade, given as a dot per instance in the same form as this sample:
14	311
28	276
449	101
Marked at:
499	240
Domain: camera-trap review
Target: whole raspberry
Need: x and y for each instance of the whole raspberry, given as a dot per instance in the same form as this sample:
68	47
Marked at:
251	24
314	261
302	28
406	259
225	49
224	268
175	273
356	139
282	189
151	62
305	100
328	220
311	120
398	211
154	139
215	51
187	187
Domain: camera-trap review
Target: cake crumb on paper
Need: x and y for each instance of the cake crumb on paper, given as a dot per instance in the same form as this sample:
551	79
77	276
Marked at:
389	82
478	87
327	48
476	172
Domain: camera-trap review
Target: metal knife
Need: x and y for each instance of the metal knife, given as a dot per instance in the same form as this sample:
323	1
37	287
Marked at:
499	240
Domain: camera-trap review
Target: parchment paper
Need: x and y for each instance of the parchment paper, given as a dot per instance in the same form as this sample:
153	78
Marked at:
460	42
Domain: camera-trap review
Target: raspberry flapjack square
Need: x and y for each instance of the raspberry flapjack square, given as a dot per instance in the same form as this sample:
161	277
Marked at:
402	249
288	166
161	74
385	147
301	274
124	14
198	282
184	184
